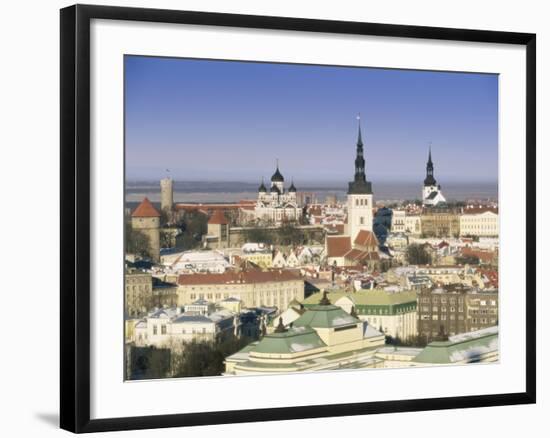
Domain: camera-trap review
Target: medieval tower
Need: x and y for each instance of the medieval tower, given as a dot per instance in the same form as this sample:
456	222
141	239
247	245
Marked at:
360	202
166	194
146	219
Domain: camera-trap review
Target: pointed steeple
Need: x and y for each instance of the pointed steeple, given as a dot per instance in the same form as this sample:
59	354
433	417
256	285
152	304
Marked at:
430	180
359	138
277	176
359	185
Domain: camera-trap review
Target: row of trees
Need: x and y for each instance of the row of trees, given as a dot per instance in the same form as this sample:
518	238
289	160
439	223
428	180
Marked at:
193	225
417	255
200	358
136	242
286	235
193	359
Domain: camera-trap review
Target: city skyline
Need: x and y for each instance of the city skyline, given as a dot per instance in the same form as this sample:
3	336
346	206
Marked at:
179	111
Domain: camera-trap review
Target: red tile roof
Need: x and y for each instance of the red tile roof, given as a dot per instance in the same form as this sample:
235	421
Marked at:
366	238
338	246
359	256
218	218
145	209
491	275
484	256
238	277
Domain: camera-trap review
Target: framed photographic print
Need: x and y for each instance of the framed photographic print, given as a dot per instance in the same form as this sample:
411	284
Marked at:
270	218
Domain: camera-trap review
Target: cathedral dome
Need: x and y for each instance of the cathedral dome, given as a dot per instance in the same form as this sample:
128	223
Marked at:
277	176
275	189
292	189
262	188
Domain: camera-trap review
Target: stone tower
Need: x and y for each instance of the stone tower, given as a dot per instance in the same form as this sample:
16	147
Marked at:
146	219
360	202
166	194
218	230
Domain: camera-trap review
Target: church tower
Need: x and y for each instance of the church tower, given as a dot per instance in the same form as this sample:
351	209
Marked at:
360	202
431	192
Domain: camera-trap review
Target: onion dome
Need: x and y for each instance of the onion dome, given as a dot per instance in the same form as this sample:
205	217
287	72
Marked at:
277	176
292	189
262	188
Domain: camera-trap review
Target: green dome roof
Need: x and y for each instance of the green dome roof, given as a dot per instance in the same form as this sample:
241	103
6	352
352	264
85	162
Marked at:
294	340
329	316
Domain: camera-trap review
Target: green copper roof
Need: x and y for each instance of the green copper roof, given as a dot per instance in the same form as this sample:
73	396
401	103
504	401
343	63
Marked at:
466	346
325	317
367	297
295	340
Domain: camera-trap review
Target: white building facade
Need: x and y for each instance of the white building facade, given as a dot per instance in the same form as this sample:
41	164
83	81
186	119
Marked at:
277	205
360	197
479	224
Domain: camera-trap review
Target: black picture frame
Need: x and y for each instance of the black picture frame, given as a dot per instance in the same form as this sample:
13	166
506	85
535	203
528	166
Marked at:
75	217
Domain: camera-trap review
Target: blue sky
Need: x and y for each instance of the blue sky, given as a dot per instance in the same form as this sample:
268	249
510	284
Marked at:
227	120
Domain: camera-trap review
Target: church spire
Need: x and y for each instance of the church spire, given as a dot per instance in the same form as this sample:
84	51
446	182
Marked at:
359	185
359	139
430	180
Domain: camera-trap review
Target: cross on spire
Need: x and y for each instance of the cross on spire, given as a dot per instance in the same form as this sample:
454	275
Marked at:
359	139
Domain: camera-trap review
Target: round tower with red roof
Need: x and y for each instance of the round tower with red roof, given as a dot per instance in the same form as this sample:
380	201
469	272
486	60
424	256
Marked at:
146	219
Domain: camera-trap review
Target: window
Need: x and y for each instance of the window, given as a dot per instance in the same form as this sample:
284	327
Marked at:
362	220
154	329
163	329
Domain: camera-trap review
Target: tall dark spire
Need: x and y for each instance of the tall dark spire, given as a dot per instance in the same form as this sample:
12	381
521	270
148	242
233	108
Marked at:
277	176
359	185
430	180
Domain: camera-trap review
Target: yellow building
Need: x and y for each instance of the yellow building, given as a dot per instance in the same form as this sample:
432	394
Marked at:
138	292
440	222
257	253
479	222
253	288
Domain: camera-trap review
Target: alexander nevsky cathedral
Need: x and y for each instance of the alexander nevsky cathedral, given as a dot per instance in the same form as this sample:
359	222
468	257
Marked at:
277	205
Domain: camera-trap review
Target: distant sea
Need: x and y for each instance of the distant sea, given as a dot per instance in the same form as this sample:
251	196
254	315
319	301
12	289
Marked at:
231	191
